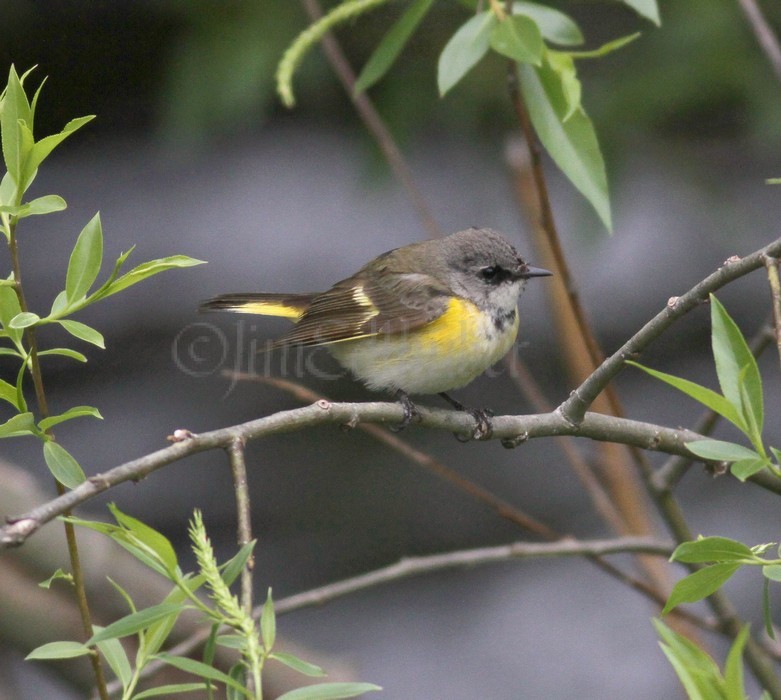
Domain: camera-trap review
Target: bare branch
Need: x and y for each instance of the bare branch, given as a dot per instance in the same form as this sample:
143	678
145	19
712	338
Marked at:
580	399
512	430
764	34
775	295
374	123
416	566
235	452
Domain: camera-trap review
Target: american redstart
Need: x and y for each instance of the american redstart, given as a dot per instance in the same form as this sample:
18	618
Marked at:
421	319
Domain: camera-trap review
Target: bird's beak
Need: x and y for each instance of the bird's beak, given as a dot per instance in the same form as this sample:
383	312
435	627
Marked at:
529	271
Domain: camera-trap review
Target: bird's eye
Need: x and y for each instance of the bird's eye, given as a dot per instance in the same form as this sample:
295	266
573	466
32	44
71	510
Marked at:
489	274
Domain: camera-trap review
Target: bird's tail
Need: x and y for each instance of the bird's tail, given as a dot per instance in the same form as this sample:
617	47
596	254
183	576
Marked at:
290	306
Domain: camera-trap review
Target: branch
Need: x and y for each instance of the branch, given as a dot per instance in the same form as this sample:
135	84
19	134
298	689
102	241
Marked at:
416	566
775	295
579	401
512	430
235	452
374	122
764	34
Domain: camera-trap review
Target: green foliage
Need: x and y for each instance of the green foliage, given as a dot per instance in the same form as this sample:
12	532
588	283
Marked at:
698	672
548	77
152	626
392	44
740	402
23	155
723	557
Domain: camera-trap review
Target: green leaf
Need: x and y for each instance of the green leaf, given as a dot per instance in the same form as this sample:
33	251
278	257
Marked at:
169	690
85	260
65	352
58	650
518	38
148	269
711	549
47	204
158	632
62	465
329	691
155	541
8	393
392	43
59	304
268	623
116	658
720	450
25	319
707	397
83	332
554	25
733	667
607	48
465	48
21	424
41	150
15	109
43	205
9	308
232	568
231	641
697	672
646	8
700	584
74	412
572	143
199	669
744	468
735	365
135	622
571	89
56	576
297	664
772	572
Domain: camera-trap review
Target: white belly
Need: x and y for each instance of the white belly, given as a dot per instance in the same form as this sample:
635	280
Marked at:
429	360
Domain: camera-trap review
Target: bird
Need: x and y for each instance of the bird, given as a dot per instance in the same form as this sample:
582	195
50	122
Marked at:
425	318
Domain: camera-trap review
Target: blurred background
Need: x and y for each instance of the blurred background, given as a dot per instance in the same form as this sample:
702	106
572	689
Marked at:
191	153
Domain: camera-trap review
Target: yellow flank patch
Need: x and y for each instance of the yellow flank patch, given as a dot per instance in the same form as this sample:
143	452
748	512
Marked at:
268	308
458	326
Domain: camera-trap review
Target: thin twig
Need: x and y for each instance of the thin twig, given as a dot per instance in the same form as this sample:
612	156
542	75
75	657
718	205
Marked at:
416	566
583	471
509	429
622	484
501	507
235	452
77	572
582	397
775	295
374	122
764	34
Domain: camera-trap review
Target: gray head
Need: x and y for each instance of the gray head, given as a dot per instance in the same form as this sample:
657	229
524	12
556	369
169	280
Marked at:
481	265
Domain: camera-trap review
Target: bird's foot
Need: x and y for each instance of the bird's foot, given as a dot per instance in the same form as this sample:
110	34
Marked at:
410	411
484	428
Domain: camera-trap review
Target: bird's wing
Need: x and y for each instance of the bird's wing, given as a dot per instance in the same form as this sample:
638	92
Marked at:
364	306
